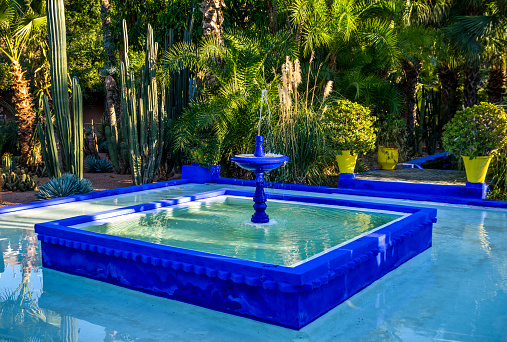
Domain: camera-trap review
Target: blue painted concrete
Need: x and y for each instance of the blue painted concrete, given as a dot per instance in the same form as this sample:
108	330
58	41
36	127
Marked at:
200	174
433	157
287	296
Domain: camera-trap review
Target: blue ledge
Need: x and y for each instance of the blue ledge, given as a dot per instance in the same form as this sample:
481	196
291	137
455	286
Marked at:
471	194
427	159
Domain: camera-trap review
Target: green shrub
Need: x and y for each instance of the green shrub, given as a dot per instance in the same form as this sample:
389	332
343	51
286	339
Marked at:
98	165
476	131
66	185
350	126
390	130
498	172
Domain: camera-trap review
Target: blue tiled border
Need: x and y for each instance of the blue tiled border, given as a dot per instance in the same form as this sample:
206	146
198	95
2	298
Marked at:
288	296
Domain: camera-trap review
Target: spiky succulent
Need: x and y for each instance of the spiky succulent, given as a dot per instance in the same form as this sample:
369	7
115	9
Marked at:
98	165
66	185
17	179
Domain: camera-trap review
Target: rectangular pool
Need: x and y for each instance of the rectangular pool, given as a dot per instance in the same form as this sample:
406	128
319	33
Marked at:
317	255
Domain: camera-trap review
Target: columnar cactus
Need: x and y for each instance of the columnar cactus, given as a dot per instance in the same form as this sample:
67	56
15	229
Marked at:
142	116
48	142
69	127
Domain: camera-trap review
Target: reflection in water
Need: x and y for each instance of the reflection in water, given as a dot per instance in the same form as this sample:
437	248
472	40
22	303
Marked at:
221	226
21	319
456	290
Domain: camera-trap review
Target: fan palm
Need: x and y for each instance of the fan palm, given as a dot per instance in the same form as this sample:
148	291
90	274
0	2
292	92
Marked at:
19	25
475	25
240	67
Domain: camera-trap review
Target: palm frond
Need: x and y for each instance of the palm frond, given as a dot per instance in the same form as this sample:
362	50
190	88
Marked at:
383	38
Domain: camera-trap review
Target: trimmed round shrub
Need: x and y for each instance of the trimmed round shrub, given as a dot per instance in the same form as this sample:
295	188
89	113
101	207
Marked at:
66	185
350	126
476	131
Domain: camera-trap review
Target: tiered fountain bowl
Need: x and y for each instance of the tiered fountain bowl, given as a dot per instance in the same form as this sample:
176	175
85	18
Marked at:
259	163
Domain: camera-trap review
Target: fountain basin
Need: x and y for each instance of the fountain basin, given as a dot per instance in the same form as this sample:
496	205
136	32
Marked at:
290	296
260	164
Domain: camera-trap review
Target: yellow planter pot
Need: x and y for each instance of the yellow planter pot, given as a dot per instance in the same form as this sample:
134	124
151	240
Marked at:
387	158
476	168
346	162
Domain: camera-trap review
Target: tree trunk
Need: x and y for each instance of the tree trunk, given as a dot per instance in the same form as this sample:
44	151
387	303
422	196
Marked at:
106	33
411	70
449	78
273	16
212	17
471	83
496	82
111	99
25	115
287	18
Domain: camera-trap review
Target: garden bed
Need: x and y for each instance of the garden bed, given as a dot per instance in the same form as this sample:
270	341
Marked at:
413	175
101	181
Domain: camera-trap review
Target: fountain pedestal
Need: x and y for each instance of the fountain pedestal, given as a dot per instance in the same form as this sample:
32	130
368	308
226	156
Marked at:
259	163
259	199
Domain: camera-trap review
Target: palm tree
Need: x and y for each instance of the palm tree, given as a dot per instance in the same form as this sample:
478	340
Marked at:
475	25
223	119
212	17
496	79
19	26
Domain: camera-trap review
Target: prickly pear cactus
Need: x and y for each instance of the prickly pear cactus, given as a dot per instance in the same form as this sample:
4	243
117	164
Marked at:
18	180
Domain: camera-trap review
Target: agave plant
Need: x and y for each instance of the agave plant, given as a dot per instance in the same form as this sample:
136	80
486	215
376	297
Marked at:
66	185
98	165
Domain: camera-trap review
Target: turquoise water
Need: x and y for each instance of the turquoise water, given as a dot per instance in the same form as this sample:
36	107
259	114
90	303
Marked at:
454	291
222	226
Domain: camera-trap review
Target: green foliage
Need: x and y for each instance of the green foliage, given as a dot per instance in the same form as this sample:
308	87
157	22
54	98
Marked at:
162	15
302	140
476	131
226	115
98	165
246	14
8	137
390	130
5	77
498	172
84	42
66	185
18	179
350	126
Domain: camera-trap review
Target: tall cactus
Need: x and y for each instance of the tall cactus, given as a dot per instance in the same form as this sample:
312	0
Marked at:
48	143
70	128
142	116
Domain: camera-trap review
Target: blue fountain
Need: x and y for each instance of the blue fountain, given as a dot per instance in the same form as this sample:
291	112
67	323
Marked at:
259	163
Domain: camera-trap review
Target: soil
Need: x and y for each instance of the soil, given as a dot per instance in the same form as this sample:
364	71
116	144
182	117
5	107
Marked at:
446	177
101	181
